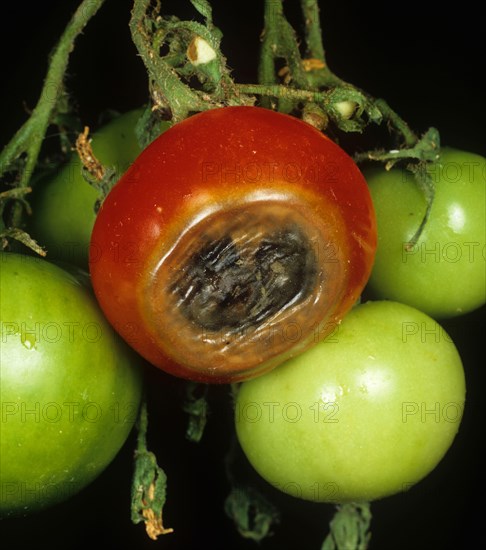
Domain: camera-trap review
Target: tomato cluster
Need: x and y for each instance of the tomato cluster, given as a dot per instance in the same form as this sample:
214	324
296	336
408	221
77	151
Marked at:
233	250
372	409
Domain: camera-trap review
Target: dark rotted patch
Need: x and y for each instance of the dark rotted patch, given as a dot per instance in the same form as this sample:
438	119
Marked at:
232	285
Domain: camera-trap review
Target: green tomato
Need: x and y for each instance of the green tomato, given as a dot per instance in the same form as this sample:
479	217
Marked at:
444	273
63	203
362	415
69	388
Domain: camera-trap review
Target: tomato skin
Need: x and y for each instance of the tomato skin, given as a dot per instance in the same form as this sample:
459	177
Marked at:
363	415
63	202
444	273
70	388
224	164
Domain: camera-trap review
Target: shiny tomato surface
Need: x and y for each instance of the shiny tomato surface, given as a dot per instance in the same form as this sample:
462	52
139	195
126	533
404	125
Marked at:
239	238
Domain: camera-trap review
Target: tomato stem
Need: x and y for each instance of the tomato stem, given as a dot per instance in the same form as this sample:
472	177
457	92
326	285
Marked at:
309	79
149	483
253	514
313	32
27	141
420	155
163	78
196	406
194	51
349	528
291	78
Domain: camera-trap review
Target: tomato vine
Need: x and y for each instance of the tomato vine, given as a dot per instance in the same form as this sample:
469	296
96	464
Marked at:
177	53
19	157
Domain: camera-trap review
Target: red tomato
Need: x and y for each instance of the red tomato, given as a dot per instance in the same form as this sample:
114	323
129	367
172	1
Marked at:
237	239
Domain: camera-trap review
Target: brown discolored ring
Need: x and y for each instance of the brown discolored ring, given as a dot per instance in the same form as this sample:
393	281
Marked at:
243	286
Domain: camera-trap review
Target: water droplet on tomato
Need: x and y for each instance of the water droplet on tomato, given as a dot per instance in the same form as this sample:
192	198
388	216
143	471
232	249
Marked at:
29	341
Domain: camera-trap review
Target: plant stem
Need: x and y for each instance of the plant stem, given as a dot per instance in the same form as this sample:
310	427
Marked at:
181	99
142	427
349	528
321	76
410	138
149	484
266	69
280	42
313	33
28	139
281	92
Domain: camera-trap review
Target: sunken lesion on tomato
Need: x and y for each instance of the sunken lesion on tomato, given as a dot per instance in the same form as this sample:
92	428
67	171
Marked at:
243	286
234	283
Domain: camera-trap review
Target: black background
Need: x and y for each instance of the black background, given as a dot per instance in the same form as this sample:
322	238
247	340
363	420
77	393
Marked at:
427	65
